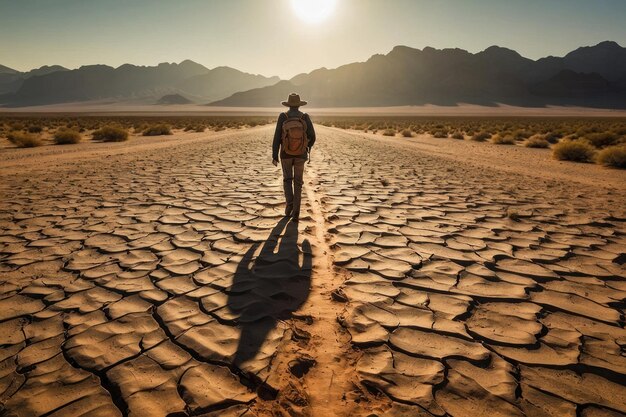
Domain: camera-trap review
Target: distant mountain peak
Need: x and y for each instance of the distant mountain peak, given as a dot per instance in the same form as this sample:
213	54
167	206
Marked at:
500	50
170	99
402	49
604	47
7	70
126	66
96	66
52	67
43	70
189	64
609	44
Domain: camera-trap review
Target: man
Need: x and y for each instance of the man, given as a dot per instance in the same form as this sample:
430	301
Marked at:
292	158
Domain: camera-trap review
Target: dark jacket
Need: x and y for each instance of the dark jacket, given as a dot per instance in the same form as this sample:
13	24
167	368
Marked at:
310	133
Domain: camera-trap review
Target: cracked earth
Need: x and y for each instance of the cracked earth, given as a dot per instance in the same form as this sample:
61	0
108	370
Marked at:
164	281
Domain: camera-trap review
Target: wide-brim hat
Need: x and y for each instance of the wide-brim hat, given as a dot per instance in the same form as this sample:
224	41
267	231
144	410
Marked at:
294	101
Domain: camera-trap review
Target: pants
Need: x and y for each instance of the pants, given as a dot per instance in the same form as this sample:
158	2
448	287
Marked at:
293	170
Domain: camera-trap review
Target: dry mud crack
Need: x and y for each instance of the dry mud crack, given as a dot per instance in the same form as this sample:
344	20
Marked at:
164	281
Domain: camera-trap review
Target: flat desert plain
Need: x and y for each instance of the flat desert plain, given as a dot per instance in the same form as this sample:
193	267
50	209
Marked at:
427	277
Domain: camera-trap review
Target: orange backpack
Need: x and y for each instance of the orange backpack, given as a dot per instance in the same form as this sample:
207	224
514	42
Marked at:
294	139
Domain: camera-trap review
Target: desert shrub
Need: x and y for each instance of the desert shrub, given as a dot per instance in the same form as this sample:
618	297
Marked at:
602	140
35	129
586	130
537	141
521	134
552	137
110	134
389	132
24	140
66	137
458	135
157	130
407	133
578	151
139	128
503	140
613	156
440	134
195	128
481	136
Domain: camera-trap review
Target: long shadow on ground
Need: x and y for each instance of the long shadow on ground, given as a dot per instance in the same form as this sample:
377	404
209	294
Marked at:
269	287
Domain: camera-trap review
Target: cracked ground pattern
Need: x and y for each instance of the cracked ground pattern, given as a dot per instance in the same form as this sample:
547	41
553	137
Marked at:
475	292
130	286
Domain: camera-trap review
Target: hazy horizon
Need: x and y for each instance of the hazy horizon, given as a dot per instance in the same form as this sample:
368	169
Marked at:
254	35
271	75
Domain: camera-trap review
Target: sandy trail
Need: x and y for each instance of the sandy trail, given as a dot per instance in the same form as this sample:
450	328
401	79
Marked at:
163	280
333	375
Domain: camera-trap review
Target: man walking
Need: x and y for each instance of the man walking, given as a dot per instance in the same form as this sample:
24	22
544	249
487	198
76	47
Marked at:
294	137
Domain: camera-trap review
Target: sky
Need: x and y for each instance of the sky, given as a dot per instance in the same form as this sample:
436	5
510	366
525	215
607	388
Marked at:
267	37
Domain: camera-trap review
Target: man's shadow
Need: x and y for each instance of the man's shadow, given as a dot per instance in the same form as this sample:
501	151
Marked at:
270	287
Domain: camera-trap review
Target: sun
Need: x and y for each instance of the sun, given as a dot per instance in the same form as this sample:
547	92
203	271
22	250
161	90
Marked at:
313	11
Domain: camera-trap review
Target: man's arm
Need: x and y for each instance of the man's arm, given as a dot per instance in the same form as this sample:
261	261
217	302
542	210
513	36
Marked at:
310	130
277	136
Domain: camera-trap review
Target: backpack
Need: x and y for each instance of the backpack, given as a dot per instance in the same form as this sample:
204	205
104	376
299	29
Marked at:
294	139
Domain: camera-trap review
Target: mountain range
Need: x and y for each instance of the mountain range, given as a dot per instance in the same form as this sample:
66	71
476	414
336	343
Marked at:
11	80
593	76
589	76
144	84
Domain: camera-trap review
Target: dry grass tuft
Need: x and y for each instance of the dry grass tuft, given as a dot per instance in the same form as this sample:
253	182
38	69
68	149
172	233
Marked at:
24	140
407	133
552	137
481	136
158	130
66	137
537	141
577	151
613	156
503	140
602	140
110	134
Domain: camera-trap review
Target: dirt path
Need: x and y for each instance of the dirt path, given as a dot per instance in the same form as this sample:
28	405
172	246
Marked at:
164	280
333	376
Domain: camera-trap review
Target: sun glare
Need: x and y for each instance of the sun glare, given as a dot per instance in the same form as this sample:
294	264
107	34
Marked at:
313	11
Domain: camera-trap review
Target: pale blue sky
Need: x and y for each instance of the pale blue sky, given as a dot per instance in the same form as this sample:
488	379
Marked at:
264	36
